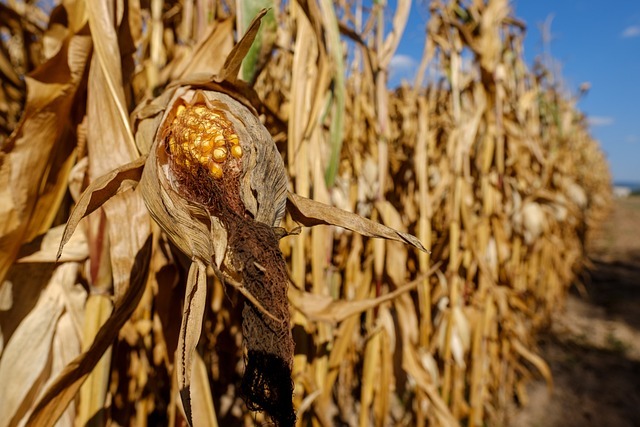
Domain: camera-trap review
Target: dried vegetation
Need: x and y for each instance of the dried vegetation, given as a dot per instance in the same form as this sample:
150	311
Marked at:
488	163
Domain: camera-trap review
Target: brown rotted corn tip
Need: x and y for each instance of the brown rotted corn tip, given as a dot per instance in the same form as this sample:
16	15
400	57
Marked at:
202	136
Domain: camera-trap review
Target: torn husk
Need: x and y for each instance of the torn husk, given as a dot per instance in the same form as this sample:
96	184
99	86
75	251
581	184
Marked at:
216	184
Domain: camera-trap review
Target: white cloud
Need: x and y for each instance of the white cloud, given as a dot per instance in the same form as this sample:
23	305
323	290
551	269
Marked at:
600	121
632	31
402	67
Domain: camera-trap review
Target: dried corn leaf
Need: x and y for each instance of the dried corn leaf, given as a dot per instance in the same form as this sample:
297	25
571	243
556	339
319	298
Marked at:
107	103
24	362
46	247
201	60
192	317
99	191
310	213
52	404
25	157
202	407
326	309
233	61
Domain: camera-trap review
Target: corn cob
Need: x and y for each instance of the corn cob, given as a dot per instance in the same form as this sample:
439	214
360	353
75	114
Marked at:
202	136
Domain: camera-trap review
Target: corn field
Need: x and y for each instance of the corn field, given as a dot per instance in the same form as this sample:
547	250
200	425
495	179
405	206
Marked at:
176	199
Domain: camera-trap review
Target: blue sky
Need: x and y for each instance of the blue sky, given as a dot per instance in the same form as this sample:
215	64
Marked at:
594	41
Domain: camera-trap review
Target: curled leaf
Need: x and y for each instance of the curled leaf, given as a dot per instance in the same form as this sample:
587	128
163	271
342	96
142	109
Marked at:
52	404
310	213
99	191
192	316
324	308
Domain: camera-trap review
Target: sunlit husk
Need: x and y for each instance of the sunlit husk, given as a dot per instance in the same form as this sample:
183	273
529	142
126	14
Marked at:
263	188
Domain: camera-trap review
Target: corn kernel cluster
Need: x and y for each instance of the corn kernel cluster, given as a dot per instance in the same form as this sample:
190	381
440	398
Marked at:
203	136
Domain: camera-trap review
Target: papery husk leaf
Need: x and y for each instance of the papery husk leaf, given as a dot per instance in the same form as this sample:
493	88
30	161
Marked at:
107	78
93	392
170	211
232	64
99	191
326	309
57	397
310	213
45	248
26	154
29	350
262	188
201	60
111	144
66	346
129	226
146	119
203	411
192	317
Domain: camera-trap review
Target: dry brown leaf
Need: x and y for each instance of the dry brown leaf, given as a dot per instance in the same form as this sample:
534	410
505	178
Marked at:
203	60
58	396
233	62
24	361
99	191
203	411
66	347
192	318
45	248
92	393
106	104
536	361
26	155
54	186
310	213
326	309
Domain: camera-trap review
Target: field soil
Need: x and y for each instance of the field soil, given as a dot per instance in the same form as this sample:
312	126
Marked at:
593	345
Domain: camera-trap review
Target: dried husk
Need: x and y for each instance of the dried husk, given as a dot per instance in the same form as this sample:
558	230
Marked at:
263	188
194	229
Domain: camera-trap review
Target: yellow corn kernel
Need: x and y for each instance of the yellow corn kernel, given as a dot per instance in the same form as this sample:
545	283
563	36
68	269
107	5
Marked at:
172	144
207	146
218	140
236	151
180	110
192	120
196	140
233	139
194	152
220	154
216	170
